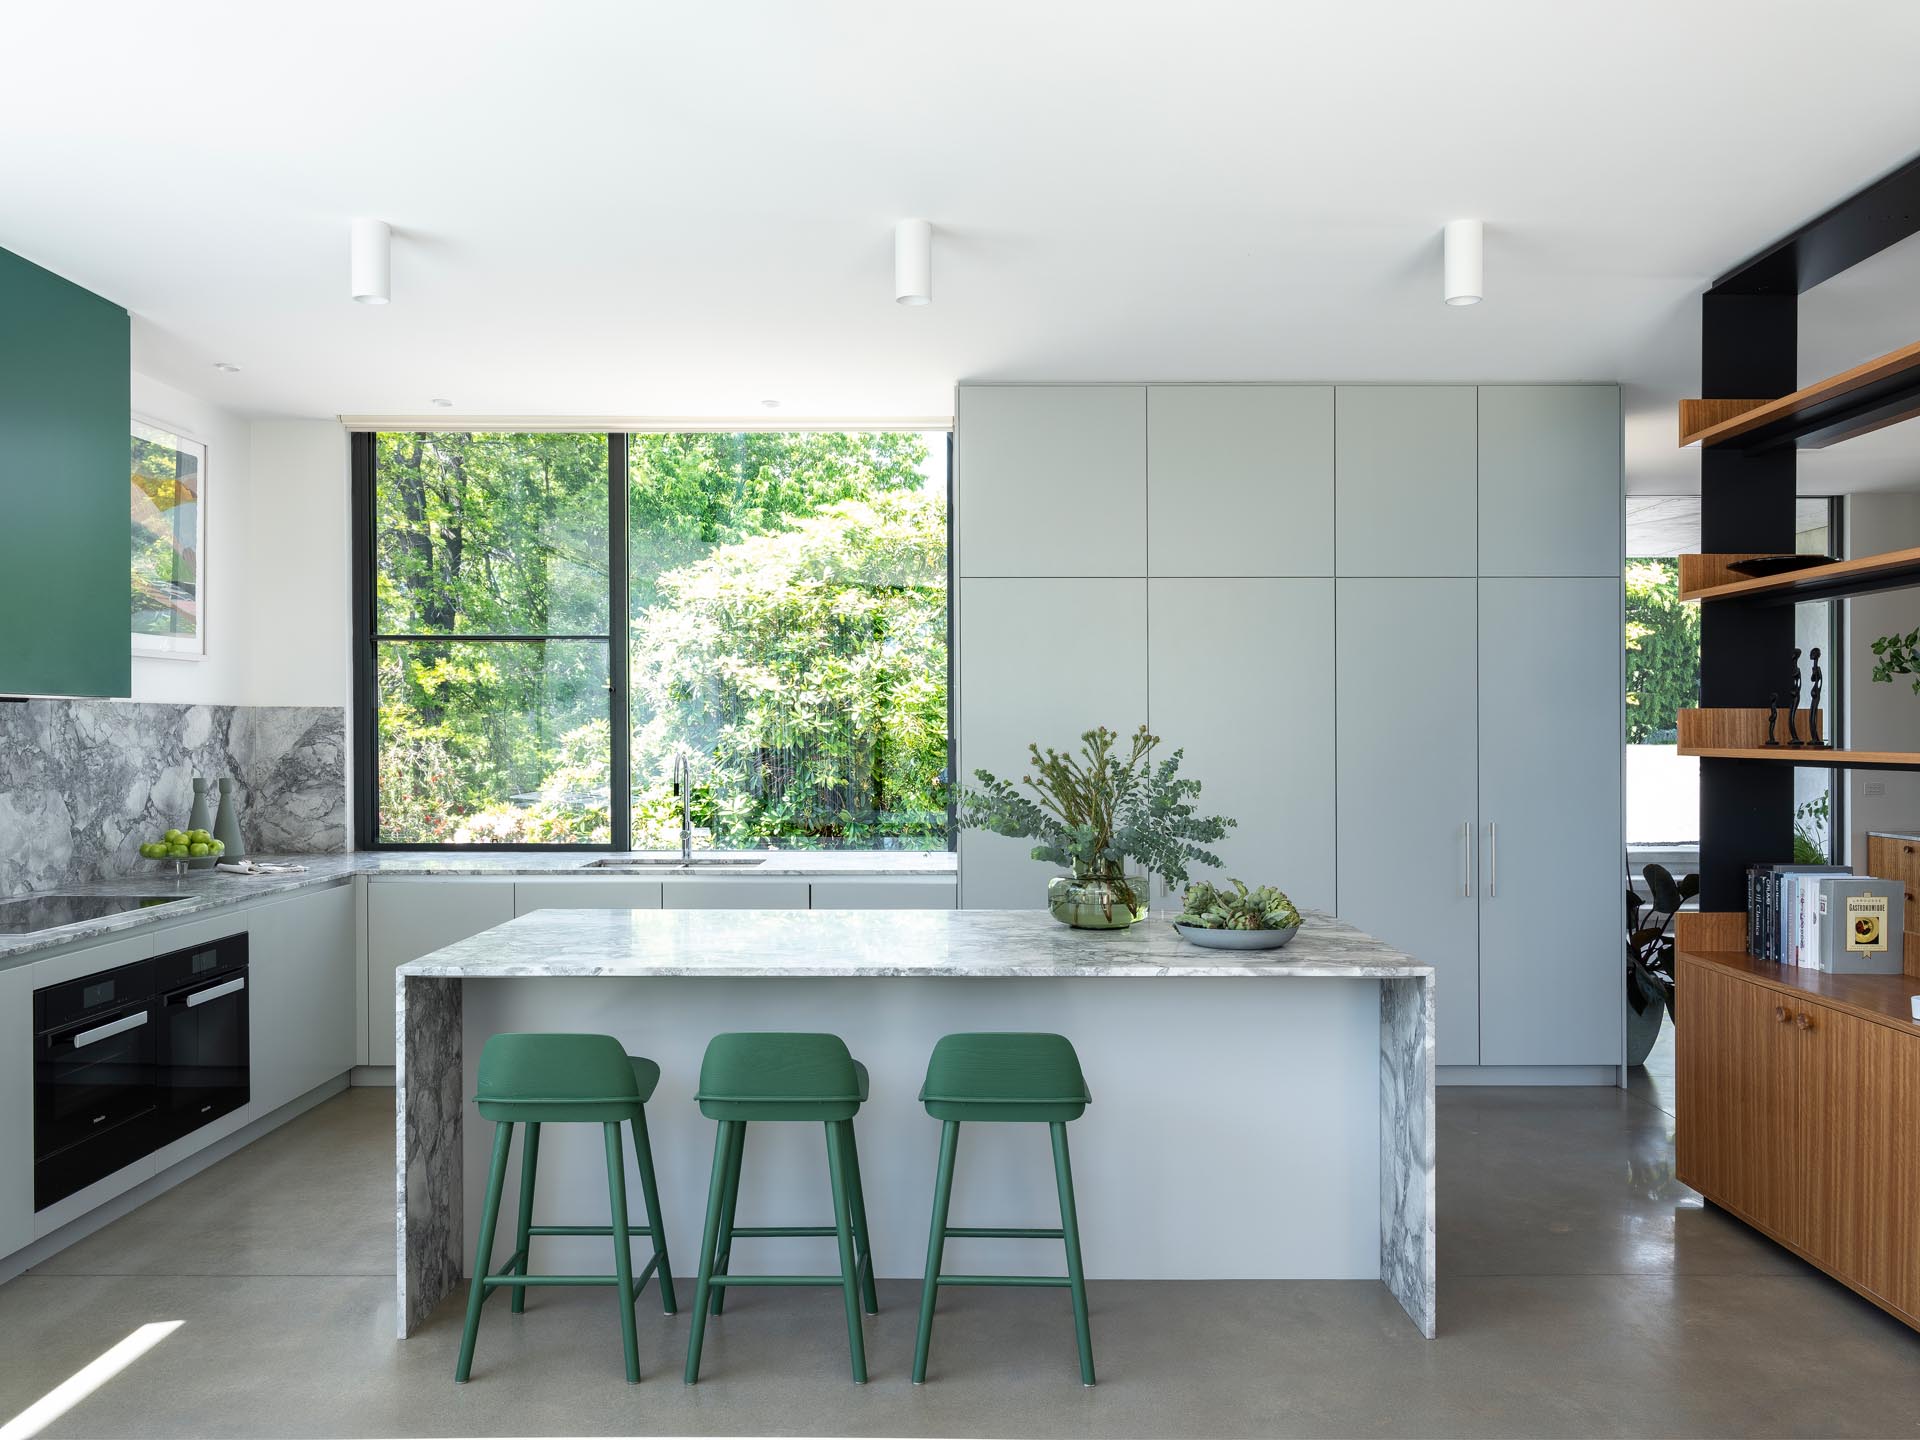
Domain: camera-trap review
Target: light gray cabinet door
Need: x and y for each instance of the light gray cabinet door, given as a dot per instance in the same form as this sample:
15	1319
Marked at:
1051	479
408	918
733	892
1550	758
884	892
1406	785
1240	480
608	892
16	1108
301	994
1550	482
1041	661
1240	675
1404	480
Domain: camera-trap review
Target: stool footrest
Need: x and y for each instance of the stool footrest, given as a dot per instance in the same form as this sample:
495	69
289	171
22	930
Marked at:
1045	1281
776	1232
833	1280
514	1282
603	1230
1000	1232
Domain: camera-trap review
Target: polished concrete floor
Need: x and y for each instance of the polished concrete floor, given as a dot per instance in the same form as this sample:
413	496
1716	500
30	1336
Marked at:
1583	1292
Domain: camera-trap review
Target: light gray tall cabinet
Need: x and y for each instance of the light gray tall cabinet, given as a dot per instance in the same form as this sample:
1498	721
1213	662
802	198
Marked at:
1384	623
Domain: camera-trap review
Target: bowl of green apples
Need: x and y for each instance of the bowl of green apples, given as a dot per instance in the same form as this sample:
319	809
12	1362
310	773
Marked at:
185	849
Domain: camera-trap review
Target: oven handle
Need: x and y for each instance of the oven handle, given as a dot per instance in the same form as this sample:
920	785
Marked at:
212	992
110	1029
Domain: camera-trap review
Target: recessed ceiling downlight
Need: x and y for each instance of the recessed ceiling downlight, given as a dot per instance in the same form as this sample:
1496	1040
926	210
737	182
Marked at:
372	262
1465	244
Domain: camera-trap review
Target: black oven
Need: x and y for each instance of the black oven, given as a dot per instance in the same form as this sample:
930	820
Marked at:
94	1090
200	1059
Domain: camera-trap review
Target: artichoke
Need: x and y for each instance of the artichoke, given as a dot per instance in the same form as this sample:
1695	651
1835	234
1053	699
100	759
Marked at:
1209	907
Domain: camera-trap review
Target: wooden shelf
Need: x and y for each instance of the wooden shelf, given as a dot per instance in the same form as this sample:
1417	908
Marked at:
1707	577
1882	392
1886	999
1740	734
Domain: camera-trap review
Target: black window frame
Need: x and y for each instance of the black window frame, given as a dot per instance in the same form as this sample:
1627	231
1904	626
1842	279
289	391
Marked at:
364	453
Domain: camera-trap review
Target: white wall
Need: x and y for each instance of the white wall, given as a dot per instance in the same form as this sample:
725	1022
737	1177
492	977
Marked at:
276	568
1880	717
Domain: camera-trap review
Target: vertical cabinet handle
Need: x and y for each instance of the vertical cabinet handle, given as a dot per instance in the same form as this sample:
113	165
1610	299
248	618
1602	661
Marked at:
1493	861
1466	859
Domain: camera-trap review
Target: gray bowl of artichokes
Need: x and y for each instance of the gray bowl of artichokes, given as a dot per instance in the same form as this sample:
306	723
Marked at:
1218	918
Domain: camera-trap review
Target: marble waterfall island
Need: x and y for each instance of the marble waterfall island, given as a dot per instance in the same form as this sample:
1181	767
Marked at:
1258	1117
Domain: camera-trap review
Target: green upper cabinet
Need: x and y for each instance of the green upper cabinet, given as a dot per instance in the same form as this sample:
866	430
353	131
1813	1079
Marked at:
65	408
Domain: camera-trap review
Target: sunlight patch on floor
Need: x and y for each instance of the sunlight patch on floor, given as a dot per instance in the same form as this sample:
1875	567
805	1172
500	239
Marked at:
84	1381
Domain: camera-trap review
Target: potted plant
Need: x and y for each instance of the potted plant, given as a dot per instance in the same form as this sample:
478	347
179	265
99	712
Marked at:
1650	957
1112	817
1212	916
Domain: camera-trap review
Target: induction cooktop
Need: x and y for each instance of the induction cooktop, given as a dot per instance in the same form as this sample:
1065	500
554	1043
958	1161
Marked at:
30	913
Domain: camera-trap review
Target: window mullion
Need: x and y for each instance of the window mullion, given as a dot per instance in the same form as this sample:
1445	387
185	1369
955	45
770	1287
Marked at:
619	665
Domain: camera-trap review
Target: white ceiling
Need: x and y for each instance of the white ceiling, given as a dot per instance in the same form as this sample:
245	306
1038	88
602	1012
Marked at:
684	209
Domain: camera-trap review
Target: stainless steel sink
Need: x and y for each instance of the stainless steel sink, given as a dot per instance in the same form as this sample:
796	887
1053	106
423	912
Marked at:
673	862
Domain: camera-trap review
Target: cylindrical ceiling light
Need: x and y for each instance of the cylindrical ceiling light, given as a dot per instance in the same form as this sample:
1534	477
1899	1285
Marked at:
372	261
1465	247
913	262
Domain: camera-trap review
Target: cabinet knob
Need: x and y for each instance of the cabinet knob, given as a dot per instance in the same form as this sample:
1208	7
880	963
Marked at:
1780	1014
1805	1021
1906	849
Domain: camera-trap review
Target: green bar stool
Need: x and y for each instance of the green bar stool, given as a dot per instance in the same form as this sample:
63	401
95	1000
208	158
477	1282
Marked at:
536	1080
998	1078
746	1078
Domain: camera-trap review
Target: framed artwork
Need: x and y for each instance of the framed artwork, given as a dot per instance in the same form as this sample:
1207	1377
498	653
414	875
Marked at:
169	542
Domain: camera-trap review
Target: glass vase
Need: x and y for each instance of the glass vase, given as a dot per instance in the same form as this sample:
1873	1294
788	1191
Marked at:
1098	902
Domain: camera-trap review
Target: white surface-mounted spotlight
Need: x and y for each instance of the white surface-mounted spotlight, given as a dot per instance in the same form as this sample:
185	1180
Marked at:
1465	243
913	262
372	261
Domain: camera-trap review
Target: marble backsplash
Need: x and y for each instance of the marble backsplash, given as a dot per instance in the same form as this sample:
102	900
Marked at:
83	782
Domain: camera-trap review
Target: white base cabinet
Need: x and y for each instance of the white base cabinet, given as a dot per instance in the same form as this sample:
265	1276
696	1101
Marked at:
408	917
301	958
16	1108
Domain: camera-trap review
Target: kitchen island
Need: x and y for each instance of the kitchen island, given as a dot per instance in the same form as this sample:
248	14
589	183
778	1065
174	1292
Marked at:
1253	1118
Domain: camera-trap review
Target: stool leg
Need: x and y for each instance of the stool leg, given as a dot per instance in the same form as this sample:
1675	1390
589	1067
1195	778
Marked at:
936	1244
622	1246
483	1261
656	1222
862	1242
723	1257
843	1228
703	1286
1070	1224
523	1245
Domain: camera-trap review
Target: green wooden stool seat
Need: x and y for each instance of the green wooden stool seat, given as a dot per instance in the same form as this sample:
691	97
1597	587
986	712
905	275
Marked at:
536	1080
773	1077
1001	1078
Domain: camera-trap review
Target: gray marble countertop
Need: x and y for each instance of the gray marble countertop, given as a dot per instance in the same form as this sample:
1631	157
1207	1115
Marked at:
201	891
828	943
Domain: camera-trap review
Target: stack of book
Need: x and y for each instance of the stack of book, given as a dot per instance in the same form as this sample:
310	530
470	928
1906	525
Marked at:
1824	917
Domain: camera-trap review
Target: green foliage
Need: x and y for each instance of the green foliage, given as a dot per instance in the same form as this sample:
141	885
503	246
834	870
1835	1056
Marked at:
1098	810
1663	649
1810	821
1210	908
788	630
1898	656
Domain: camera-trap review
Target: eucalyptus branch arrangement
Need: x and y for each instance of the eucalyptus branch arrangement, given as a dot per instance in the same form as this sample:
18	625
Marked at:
1094	810
1899	655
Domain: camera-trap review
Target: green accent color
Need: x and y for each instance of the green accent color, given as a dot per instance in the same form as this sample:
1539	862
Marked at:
65	431
782	1077
527	1079
778	1075
1004	1078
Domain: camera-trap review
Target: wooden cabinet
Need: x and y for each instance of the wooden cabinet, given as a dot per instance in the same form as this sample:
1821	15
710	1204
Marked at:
1801	1115
1897	858
408	918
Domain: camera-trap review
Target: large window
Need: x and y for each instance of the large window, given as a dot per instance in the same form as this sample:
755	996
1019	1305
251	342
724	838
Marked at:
785	608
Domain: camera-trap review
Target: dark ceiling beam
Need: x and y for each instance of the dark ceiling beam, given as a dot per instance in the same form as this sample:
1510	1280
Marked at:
1865	223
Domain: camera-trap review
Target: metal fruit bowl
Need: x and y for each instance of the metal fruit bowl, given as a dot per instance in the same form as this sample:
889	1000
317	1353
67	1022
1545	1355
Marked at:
1237	939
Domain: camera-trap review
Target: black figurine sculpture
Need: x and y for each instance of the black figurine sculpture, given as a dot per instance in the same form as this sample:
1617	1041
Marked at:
1773	715
1793	703
1813	702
